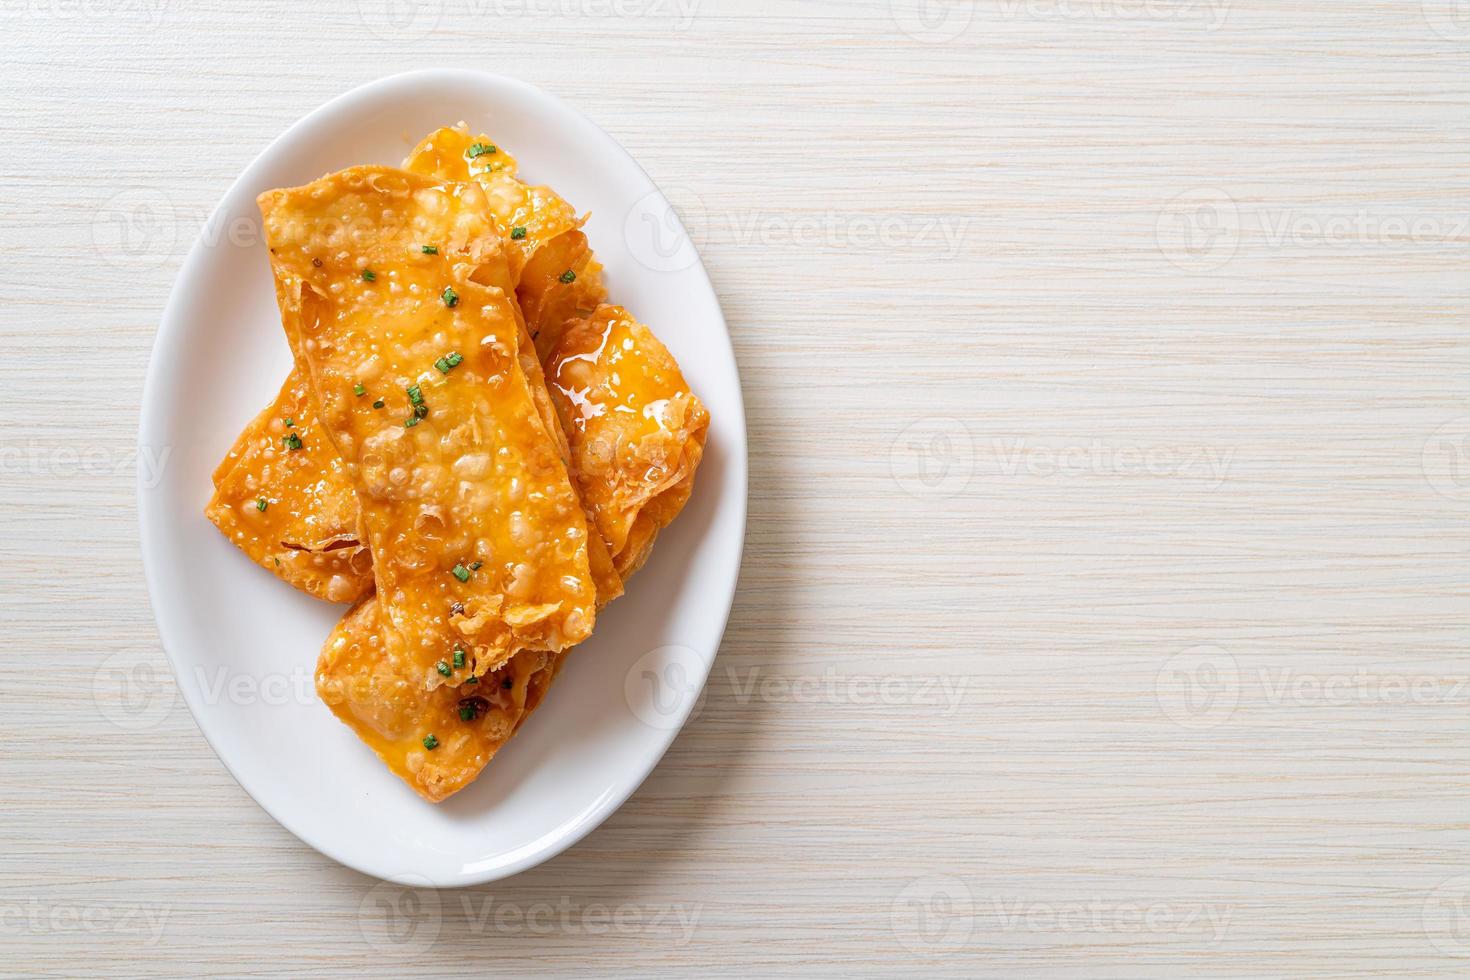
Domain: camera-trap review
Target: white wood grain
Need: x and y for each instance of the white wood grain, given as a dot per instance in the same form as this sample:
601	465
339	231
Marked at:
1186	567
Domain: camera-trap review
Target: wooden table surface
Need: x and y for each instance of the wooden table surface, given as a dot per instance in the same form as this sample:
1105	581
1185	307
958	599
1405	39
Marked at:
1106	595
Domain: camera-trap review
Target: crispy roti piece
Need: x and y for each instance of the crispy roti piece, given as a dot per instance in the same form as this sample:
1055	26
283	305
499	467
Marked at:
478	538
282	497
436	740
557	275
636	430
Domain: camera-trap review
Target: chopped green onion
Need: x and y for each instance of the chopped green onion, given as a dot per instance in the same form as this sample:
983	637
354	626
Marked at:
461	573
411	421
472	679
467	712
568	276
415	395
458	657
475	565
430	742
420	411
378	403
368	275
449	362
480	149
450	297
293	441
359	390
517	233
290	423
430	249
443	668
262	504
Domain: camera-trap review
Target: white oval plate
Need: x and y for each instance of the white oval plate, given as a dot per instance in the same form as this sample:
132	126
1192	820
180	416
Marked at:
243	645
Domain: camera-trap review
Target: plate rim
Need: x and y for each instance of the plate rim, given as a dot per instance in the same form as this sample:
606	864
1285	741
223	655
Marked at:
166	344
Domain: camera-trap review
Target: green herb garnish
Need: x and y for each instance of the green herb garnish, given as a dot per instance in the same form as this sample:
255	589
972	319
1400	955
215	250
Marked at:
359	390
430	742
479	150
450	297
518	232
430	249
458	657
293	441
368	275
262	504
568	276
443	668
461	573
449	362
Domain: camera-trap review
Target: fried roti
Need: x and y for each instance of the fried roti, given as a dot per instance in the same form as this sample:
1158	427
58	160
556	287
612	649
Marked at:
478	538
